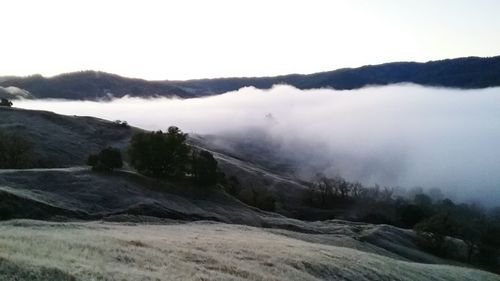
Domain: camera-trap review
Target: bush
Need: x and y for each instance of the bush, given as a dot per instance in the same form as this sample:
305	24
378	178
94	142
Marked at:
160	155
106	161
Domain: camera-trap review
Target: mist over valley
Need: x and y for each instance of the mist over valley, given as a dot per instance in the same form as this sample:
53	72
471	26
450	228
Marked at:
401	135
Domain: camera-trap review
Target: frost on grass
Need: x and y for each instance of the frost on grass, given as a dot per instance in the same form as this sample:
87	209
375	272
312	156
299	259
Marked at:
194	251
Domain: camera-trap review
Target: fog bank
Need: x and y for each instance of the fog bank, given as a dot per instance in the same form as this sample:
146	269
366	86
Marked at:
403	135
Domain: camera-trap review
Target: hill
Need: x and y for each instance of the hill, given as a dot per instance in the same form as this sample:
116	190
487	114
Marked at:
63	141
465	73
33	250
129	227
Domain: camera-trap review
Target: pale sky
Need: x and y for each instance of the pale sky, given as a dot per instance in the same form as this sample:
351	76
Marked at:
226	38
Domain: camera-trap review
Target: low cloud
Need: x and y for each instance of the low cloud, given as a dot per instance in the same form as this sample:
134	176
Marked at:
403	135
14	93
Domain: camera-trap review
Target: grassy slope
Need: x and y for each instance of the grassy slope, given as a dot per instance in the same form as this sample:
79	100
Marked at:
63	141
33	250
66	141
83	194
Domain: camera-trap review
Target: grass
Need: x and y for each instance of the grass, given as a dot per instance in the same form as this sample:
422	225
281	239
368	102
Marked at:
35	250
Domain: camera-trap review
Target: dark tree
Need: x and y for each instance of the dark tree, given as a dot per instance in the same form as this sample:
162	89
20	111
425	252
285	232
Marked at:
489	245
204	168
160	155
16	151
411	214
6	102
258	197
106	161
432	233
422	200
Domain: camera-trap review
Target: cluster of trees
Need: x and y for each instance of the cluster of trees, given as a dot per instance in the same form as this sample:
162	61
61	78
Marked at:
16	151
122	124
334	192
162	155
477	228
168	155
5	102
434	218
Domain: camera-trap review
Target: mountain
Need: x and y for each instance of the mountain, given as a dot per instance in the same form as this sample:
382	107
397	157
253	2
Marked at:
88	85
465	73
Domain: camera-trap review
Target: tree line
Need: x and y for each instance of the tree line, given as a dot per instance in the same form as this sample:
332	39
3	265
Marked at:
435	219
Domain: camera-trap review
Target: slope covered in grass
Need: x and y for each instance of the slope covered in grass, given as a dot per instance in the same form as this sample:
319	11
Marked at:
63	141
193	251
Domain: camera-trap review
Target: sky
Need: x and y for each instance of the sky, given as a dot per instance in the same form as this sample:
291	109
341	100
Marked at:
188	39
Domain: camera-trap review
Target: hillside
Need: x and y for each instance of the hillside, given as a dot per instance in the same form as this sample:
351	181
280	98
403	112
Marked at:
63	141
466	73
33	250
128	227
66	141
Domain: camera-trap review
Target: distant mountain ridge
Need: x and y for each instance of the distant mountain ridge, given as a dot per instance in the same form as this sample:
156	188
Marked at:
92	85
464	73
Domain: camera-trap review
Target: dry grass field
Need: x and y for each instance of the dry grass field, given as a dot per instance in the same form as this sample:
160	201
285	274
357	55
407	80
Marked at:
36	250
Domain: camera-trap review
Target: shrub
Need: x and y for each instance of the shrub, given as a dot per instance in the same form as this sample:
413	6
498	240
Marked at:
106	161
160	155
